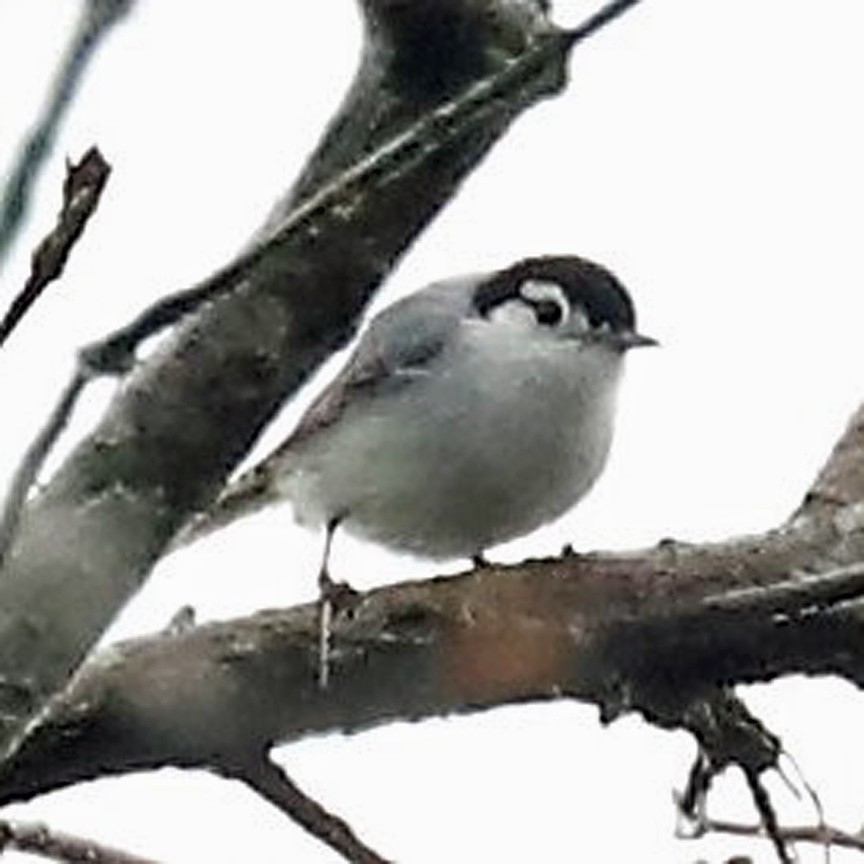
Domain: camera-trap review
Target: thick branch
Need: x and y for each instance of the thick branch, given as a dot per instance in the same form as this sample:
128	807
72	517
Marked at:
641	631
662	630
184	419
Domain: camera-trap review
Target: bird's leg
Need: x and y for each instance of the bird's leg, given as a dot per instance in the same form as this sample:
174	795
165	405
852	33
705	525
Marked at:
326	585
326	590
330	595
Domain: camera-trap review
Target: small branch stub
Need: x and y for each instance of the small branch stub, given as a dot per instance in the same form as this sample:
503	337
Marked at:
82	189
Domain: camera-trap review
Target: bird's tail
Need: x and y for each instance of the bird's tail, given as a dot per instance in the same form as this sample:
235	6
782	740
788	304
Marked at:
249	493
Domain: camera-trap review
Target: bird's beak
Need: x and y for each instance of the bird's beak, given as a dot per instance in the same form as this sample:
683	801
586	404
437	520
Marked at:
630	339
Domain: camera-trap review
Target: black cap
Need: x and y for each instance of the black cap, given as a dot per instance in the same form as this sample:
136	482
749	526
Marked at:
596	290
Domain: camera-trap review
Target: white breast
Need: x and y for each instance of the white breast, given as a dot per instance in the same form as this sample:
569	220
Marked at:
493	440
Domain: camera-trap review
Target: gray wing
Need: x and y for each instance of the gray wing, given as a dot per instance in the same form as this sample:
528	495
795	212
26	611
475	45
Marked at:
399	345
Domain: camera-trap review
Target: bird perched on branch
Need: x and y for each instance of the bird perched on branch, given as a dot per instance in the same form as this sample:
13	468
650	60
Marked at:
471	412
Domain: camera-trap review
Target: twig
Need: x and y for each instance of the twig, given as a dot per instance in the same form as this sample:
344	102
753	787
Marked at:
691	802
821	833
28	470
824	835
451	120
97	19
695	822
803	594
82	190
729	734
767	815
267	779
603	16
811	794
36	839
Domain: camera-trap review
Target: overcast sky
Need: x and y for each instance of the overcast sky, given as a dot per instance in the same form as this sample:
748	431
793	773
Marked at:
708	151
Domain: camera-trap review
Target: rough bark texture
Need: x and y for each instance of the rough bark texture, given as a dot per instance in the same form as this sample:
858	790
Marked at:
663	631
182	421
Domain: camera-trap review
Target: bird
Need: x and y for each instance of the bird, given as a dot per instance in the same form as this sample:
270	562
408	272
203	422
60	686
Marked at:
471	412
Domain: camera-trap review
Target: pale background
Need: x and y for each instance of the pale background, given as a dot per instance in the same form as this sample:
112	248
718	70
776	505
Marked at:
711	154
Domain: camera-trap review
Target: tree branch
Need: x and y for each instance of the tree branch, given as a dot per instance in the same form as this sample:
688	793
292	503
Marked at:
663	631
37	839
697	823
823	835
768	816
82	190
268	780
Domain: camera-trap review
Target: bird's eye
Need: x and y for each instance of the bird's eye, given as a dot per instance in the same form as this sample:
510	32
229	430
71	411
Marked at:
548	312
546	300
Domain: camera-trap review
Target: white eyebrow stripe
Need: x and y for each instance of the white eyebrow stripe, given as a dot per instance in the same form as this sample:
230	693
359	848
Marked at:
540	289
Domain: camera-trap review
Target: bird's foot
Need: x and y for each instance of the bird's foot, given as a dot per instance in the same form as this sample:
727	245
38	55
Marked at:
340	594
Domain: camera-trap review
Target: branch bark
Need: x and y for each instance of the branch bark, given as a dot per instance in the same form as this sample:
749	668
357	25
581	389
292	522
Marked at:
39	840
88	541
663	631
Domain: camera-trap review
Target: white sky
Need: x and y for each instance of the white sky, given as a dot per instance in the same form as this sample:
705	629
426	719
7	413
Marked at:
709	151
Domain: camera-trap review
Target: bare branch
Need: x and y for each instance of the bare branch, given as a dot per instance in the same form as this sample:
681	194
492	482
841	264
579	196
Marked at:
95	22
267	779
698	824
82	190
571	628
38	839
768	816
823	835
663	631
600	19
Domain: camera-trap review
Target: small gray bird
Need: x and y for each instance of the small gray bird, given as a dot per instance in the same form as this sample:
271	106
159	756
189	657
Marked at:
470	413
